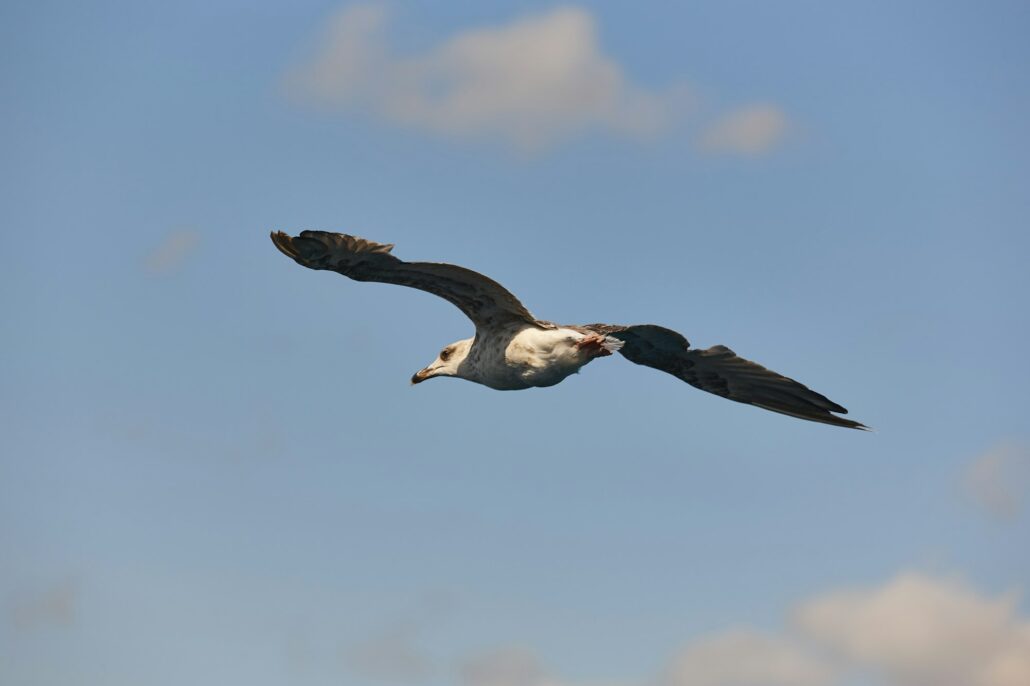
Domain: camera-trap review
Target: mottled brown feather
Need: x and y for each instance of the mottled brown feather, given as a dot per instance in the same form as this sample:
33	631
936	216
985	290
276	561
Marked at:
491	307
483	300
721	371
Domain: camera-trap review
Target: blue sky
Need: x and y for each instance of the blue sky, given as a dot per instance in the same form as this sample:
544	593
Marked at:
214	469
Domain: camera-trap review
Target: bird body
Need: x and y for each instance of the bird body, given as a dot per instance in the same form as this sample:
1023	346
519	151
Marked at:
513	350
518	357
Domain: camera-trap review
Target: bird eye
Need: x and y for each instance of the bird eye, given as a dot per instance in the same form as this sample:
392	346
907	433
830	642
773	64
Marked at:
445	353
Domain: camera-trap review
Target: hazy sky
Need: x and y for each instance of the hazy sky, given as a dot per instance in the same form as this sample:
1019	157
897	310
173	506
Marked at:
214	470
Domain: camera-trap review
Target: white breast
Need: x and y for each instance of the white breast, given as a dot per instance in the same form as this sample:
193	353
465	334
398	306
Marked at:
537	357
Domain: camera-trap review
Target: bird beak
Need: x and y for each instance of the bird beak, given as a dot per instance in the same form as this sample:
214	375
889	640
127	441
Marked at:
421	376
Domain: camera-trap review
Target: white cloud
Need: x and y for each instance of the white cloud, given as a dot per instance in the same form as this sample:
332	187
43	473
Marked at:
912	630
921	631
746	658
530	82
999	479
751	130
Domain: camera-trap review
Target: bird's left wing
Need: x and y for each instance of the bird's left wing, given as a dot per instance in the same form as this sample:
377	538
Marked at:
720	371
483	300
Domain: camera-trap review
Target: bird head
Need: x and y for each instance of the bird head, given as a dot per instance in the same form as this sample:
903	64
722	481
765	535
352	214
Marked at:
446	363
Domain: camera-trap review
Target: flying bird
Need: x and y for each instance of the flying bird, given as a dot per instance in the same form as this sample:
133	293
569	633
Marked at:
513	350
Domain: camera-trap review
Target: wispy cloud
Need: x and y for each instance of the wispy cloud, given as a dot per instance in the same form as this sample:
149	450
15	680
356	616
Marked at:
515	666
512	666
751	130
999	479
52	606
395	654
748	657
174	249
530	82
392	656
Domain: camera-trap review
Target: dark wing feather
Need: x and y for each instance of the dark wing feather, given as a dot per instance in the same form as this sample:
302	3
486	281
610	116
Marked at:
720	371
483	300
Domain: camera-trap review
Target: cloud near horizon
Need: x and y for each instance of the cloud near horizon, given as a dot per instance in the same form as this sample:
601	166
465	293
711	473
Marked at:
917	630
515	666
912	630
390	656
531	82
744	656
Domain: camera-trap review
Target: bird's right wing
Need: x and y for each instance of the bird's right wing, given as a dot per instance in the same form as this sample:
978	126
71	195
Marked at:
720	371
483	300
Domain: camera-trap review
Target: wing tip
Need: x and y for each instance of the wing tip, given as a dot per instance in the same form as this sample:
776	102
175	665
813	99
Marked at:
346	242
849	424
325	249
824	417
284	243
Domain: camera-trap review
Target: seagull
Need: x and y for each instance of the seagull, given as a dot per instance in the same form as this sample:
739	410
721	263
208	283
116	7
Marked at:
513	350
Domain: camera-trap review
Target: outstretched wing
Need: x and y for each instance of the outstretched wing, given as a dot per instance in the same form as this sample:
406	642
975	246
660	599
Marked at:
483	300
720	371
